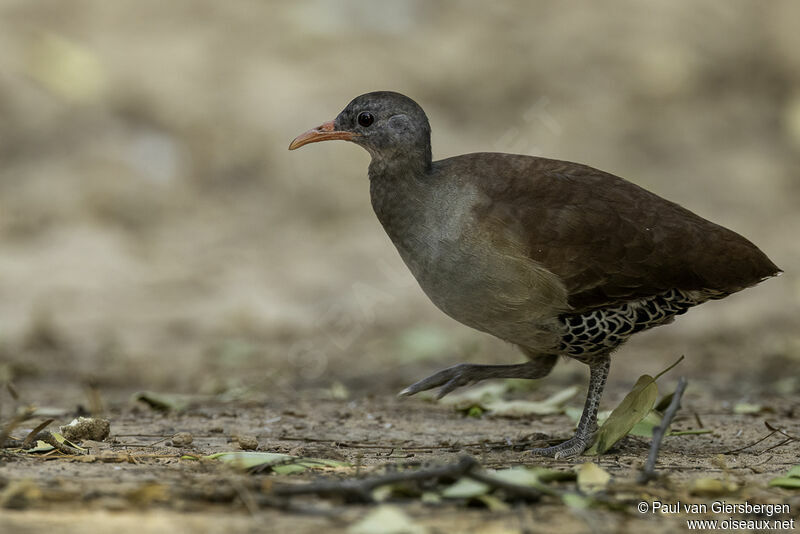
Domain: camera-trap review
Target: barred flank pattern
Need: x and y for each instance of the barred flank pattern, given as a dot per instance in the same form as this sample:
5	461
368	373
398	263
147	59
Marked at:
604	329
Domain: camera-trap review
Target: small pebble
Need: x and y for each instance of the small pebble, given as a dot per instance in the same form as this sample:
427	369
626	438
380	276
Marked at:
247	442
182	439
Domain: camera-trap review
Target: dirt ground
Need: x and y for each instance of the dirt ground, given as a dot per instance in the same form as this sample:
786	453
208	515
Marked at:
156	235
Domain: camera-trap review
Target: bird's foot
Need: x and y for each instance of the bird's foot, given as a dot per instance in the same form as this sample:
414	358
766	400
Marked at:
450	379
572	447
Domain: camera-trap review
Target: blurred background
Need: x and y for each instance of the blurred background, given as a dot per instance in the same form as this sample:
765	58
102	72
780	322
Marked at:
155	233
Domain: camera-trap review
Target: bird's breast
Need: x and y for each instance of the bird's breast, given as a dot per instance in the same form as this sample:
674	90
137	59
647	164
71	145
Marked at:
478	276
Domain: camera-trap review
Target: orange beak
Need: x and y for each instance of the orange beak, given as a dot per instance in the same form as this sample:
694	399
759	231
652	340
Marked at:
323	132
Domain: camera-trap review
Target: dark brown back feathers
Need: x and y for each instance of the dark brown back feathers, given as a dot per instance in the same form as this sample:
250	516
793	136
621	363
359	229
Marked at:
606	238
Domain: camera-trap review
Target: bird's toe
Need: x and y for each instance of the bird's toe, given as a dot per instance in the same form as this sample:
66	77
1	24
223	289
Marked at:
450	379
568	449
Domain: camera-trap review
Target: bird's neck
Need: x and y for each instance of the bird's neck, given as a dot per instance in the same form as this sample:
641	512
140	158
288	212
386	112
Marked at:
399	190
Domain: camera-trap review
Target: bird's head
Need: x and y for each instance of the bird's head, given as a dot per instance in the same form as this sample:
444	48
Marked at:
387	124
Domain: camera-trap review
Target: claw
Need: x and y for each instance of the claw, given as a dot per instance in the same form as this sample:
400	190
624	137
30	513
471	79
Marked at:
452	378
465	374
450	386
407	392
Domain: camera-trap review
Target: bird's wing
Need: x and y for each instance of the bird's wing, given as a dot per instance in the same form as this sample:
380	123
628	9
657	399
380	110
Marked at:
607	239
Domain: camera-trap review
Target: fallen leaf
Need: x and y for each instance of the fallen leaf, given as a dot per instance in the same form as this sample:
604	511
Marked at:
746	408
522	476
712	487
520	408
475	411
592	478
790	480
493	503
577	501
283	464
785	482
164	402
465	488
478	395
663	402
42	446
386	519
633	408
545	474
574	413
66	68
647	425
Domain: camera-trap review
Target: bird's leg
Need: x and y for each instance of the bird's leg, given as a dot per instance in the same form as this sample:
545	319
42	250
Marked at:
466	373
587	426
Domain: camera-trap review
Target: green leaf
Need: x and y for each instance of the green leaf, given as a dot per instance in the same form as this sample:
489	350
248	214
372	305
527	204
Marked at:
663	403
465	488
785	482
522	476
576	501
475	411
633	408
430	497
791	480
646	426
746	408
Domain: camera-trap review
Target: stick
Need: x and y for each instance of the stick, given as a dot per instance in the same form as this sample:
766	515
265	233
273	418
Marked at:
48	438
360	490
26	443
649	470
21	417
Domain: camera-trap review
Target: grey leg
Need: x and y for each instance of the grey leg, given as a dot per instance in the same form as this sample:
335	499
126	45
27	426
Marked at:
465	373
587	426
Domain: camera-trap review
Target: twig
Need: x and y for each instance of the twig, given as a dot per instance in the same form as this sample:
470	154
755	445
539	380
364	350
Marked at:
360	490
781	444
516	490
21	417
698	420
48	438
26	443
649	470
782	432
668	369
756	442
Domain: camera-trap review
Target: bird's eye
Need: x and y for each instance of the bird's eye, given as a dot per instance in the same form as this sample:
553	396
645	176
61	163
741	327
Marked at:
365	118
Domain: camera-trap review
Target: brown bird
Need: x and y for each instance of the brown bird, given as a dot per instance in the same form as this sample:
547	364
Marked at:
558	258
